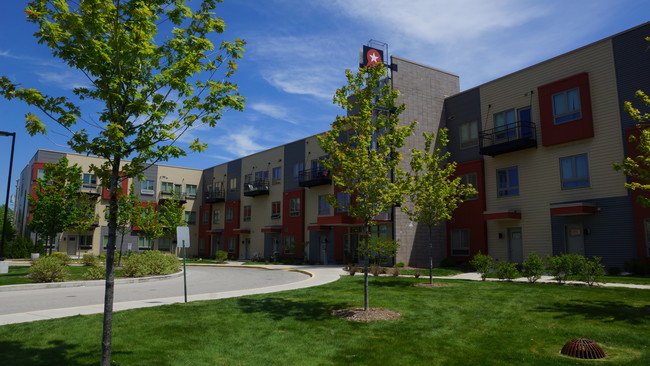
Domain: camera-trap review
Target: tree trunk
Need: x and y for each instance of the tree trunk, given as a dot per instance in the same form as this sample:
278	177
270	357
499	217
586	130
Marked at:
366	260
430	256
107	332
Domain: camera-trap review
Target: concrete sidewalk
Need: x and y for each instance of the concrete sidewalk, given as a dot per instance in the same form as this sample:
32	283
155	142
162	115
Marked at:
315	276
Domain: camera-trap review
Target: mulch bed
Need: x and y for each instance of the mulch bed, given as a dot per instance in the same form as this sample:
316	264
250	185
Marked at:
360	315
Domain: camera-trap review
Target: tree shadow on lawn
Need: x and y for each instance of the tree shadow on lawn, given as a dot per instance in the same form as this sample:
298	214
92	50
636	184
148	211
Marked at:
279	308
55	352
605	311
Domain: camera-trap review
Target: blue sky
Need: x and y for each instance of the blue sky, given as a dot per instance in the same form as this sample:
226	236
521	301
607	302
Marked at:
298	50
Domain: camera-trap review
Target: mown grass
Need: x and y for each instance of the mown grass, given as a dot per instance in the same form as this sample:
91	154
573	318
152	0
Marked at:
466	323
18	275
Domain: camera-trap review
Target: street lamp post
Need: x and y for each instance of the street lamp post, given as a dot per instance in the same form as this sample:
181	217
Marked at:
4	222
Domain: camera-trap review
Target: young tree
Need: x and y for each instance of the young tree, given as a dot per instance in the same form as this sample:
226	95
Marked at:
10	233
171	215
54	206
433	191
154	71
147	220
363	149
126	216
85	217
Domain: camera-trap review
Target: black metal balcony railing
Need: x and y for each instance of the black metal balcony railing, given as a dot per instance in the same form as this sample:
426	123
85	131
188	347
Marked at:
214	196
514	136
257	187
314	177
167	195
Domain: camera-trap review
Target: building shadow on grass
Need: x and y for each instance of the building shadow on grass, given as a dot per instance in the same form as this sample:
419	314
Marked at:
279	308
604	311
56	352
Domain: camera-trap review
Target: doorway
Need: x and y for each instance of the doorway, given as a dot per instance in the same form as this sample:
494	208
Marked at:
574	239
323	248
515	245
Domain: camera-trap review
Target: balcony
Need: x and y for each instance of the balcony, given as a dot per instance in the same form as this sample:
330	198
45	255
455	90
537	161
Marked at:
515	136
314	177
214	196
167	195
91	189
258	187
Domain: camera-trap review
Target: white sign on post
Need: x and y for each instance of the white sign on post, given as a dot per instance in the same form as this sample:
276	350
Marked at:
183	236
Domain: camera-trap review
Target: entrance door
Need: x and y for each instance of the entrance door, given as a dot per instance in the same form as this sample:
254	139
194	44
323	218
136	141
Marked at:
575	241
247	248
215	243
515	245
323	248
72	245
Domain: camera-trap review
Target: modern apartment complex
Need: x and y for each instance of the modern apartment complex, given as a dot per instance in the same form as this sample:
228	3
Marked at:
538	144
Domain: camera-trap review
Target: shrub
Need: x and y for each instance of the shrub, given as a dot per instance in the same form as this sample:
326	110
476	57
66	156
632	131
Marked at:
95	273
64	258
399	265
352	269
90	260
565	265
507	271
394	272
149	263
20	247
482	264
592	271
447	262
221	256
533	267
375	269
48	269
417	273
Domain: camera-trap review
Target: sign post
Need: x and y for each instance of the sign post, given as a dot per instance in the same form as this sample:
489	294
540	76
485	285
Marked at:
183	238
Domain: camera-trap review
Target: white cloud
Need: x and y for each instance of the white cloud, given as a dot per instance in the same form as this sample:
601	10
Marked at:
273	111
65	80
239	143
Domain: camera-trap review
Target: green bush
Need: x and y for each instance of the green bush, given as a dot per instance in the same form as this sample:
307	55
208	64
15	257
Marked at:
221	256
95	273
394	272
507	270
482	264
533	267
399	265
417	273
90	260
592	271
565	265
48	269
20	247
150	263
64	258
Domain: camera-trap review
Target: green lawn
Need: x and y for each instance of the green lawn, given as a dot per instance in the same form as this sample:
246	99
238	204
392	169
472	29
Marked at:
17	275
466	323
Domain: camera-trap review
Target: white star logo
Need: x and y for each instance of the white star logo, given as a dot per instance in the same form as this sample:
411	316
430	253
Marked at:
373	57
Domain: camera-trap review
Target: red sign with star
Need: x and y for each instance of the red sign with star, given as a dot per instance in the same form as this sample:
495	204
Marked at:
371	56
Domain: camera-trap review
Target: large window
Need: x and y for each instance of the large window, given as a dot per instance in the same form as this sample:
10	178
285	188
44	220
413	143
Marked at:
566	106
508	182
144	243
147	187
504	123
574	171
216	216
460	242
89	181
164	243
231	245
277	175
294	207
289	244
247	213
297	170
470	180
85	242
468	134
275	209
343	199
190	190
232	185
190	217
166	188
229	214
323	205
205	217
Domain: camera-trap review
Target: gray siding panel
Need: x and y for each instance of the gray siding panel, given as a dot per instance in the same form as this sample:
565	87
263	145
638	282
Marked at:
151	173
460	109
234	171
293	153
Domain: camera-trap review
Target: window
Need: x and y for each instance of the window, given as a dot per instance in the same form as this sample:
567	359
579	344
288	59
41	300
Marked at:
166	188
89	181
216	216
40	173
504	123
247	213
147	187
231	245
460	242
343	199
275	209
574	171
105	241
248	178
508	182
190	217
233	184
468	134
205	217
86	241
294	207
323	206
289	244
277	175
229	214
261	175
164	243
297	170
144	243
467	180
566	106
190	190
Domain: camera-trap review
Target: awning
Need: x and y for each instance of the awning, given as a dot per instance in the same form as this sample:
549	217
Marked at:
502	215
572	209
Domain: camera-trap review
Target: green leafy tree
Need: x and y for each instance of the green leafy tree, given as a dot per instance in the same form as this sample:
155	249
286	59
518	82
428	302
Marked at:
126	216
171	215
54	205
85	217
148	221
10	234
363	149
153	70
434	193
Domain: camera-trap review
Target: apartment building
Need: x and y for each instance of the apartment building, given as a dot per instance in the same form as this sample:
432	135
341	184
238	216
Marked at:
538	144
